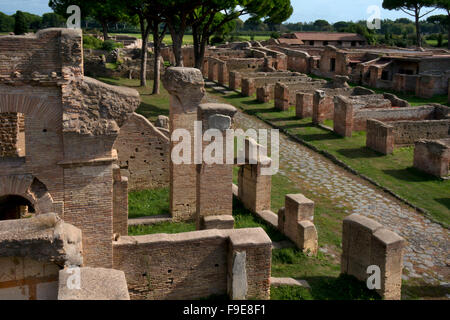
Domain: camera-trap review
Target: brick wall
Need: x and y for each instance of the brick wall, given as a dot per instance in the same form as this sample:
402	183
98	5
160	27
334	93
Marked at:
192	265
365	242
433	157
385	136
144	154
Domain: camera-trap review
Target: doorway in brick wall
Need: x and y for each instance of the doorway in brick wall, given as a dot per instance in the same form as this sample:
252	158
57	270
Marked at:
15	207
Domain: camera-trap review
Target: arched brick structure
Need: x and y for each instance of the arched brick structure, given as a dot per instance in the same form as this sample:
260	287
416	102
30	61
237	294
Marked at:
29	188
32	106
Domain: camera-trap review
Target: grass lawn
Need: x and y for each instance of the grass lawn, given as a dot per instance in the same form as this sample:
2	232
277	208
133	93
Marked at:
148	203
392	171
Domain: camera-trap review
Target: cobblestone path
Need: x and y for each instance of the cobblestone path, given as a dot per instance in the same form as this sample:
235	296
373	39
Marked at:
427	253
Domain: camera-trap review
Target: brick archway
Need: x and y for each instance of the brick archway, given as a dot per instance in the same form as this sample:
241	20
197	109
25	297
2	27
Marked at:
33	106
29	188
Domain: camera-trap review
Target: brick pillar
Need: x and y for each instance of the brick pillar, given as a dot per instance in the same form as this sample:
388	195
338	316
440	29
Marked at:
343	116
249	265
323	107
263	93
365	243
211	66
205	67
303	105
380	136
248	87
281	96
234	80
222	73
255	188
186	88
120	203
295	220
215	180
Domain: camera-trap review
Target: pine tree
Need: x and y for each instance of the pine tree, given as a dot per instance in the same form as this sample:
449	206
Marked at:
20	25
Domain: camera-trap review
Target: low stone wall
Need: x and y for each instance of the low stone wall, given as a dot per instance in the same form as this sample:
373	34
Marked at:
351	113
433	157
286	93
235	77
196	264
367	243
32	251
144	154
385	136
249	85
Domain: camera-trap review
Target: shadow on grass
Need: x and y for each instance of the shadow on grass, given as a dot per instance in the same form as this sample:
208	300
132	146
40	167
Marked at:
151	110
243	218
319	136
424	291
362	152
344	287
410	174
444	201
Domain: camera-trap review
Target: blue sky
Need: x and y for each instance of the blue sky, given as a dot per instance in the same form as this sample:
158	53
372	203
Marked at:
304	10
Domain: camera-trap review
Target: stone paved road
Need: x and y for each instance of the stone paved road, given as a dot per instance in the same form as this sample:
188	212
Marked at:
427	253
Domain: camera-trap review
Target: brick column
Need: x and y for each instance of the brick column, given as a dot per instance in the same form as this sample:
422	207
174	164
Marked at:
234	80
380	136
120	202
303	105
281	96
186	88
343	116
248	87
215	180
255	188
323	107
222	73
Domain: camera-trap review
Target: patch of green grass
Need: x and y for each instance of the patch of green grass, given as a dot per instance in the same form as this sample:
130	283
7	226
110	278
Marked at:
165	227
148	203
112	66
393	171
243	218
290	293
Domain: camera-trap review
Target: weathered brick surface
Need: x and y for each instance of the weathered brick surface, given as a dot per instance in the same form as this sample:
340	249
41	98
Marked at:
433	156
365	242
192	265
144	154
214	180
186	87
295	220
71	123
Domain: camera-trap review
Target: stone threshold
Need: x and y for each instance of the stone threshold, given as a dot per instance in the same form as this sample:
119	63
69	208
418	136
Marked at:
149	220
277	282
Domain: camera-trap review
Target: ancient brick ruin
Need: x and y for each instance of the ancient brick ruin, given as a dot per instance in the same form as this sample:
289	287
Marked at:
73	147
